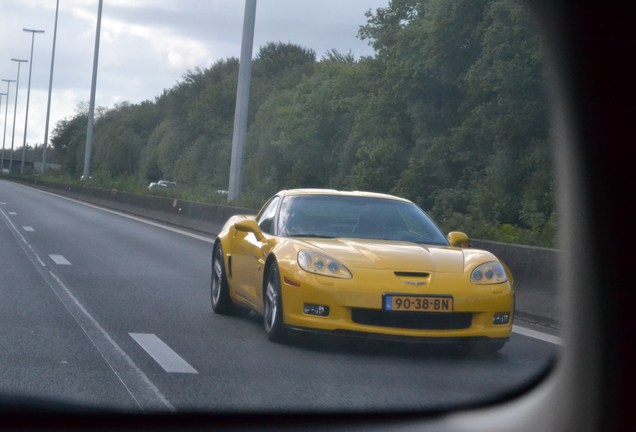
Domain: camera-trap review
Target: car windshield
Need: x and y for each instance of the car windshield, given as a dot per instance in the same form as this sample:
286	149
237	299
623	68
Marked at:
356	217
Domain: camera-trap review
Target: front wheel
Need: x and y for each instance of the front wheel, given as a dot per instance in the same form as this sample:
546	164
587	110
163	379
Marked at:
273	306
219	289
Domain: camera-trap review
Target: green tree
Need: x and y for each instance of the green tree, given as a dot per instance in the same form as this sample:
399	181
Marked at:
450	112
505	96
298	134
68	138
120	135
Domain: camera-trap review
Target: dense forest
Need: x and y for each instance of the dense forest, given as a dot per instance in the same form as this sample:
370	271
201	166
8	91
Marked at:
451	112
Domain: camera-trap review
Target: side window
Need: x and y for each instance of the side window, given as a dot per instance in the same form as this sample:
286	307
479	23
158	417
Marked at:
266	219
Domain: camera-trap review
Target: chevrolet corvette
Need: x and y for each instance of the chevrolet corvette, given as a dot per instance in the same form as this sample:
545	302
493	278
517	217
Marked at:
360	264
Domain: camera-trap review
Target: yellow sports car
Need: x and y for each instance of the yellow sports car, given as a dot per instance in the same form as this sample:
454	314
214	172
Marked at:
359	263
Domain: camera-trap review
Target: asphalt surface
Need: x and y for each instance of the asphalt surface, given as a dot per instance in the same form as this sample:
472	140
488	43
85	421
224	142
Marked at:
102	309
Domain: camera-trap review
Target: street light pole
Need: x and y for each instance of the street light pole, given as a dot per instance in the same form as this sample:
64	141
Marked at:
48	104
26	117
15	108
91	105
242	99
6	107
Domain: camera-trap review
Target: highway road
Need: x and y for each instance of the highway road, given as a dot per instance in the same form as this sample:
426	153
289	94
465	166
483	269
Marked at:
103	309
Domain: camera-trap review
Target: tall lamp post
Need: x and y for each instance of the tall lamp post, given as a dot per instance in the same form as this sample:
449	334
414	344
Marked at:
242	99
15	109
48	104
91	104
26	118
6	107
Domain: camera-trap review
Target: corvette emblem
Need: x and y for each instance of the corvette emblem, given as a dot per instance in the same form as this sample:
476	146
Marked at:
414	283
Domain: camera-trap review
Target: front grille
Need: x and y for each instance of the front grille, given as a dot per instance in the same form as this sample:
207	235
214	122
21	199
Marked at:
412	320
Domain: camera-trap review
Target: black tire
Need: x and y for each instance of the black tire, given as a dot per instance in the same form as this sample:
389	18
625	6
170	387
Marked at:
219	288
273	306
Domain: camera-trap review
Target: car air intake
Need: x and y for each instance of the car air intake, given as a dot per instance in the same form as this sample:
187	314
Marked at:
412	320
412	274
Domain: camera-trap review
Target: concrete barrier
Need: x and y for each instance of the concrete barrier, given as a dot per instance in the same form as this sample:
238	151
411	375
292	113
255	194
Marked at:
205	218
535	270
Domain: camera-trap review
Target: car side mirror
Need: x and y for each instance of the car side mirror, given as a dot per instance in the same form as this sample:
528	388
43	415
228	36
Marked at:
457	238
250	225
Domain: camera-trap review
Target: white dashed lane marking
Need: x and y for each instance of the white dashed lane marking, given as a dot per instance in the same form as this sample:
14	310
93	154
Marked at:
537	335
169	360
28	228
13	213
59	260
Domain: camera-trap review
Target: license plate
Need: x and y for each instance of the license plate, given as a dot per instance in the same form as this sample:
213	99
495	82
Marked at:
393	302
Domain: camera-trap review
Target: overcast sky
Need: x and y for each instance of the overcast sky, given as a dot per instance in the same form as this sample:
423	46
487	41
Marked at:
147	46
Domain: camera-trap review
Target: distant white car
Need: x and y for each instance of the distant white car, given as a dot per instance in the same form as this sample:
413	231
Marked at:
163	184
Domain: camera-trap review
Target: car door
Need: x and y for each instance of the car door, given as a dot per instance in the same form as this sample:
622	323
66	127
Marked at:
249	254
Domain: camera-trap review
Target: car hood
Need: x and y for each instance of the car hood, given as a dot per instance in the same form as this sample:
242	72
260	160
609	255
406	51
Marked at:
398	256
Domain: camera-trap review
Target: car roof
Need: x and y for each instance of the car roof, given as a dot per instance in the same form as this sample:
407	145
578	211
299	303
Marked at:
309	191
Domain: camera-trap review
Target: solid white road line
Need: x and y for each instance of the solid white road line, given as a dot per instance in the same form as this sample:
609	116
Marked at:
537	335
28	228
169	360
59	260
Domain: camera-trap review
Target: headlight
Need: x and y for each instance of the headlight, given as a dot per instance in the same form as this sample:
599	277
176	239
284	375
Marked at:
489	273
315	262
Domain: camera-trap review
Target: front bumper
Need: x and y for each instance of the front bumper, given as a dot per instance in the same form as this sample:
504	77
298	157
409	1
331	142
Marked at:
356	309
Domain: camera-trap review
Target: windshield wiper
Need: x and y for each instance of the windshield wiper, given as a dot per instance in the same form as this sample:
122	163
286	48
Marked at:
310	235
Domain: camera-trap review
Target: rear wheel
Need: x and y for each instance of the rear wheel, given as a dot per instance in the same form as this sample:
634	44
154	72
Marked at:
273	306
219	289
